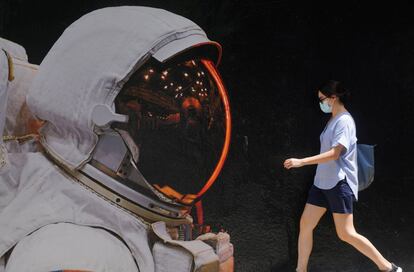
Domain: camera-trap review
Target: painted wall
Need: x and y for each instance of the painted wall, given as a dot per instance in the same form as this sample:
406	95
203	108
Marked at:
275	55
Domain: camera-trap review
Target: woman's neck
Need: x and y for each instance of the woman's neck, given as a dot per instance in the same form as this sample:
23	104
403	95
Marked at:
337	109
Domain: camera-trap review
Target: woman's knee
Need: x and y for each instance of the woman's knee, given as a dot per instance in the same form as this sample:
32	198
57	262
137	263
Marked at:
346	235
307	224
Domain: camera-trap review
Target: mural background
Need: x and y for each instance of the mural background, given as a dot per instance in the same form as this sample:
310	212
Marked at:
276	54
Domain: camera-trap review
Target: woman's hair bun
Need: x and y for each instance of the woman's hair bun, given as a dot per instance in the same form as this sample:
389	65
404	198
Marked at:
333	87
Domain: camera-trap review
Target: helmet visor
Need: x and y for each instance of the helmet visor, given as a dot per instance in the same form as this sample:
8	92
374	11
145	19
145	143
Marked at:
179	118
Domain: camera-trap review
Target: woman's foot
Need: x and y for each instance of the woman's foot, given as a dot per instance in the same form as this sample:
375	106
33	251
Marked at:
394	268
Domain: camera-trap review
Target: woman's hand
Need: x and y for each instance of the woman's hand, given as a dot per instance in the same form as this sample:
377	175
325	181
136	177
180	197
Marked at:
293	163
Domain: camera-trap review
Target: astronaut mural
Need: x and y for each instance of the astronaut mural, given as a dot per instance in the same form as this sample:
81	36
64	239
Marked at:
134	129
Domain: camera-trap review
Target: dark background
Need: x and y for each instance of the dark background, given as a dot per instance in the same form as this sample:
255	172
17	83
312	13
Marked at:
276	53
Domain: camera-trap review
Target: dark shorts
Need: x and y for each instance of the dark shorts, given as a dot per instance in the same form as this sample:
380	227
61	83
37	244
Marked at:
339	199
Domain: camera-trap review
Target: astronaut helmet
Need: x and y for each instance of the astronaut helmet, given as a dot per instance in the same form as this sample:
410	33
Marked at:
135	109
176	130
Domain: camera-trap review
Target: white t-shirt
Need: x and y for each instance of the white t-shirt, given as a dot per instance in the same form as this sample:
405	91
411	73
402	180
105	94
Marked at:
339	130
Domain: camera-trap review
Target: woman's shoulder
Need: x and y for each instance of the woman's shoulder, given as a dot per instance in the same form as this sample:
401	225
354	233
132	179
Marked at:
346	116
346	119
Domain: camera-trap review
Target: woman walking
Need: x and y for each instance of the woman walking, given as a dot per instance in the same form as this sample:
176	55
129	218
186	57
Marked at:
335	185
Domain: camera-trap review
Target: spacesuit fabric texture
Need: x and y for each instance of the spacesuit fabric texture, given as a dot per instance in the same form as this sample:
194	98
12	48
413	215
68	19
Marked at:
4	84
39	195
68	246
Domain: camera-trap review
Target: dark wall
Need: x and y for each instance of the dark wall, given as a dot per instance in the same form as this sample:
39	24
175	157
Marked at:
276	53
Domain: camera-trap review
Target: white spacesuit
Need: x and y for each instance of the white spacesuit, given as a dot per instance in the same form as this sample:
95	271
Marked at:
5	77
136	129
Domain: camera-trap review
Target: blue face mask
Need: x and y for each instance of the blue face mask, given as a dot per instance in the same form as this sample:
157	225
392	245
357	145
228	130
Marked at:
325	107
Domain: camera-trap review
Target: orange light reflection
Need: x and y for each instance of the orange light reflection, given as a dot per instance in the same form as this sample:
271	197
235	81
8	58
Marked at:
222	90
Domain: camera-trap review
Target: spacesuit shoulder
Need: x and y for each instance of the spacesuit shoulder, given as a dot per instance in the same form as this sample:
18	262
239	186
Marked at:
65	246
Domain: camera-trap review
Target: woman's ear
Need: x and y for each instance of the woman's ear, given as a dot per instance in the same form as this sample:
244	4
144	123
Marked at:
334	98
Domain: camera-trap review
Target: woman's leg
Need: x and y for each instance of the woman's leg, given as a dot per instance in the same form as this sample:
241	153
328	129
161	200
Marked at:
309	220
344	224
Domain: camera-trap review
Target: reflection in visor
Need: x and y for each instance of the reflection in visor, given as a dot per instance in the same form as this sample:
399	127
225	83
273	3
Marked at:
180	120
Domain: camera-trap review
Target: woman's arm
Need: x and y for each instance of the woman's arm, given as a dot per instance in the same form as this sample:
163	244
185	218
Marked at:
332	154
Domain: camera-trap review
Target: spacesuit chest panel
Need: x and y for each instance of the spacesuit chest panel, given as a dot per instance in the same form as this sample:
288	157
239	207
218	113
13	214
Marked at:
39	195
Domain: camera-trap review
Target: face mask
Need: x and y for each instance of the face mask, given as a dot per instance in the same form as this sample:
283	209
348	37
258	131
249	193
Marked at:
325	107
